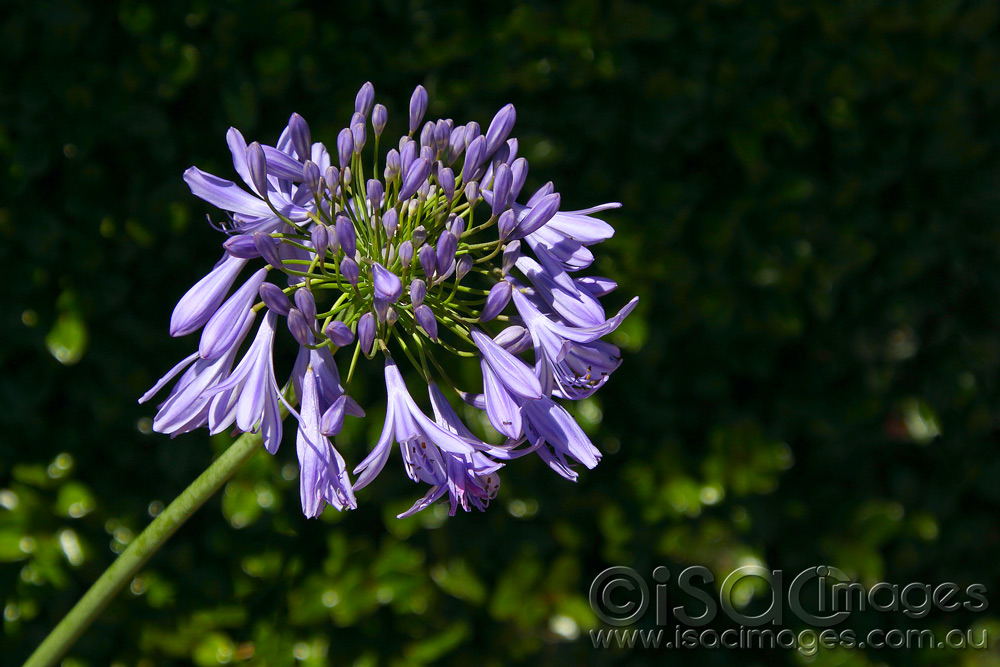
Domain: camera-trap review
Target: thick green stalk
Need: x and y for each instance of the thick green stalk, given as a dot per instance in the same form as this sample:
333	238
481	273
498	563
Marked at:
139	551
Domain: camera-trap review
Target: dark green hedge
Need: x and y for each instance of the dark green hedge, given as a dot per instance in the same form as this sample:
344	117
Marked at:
810	192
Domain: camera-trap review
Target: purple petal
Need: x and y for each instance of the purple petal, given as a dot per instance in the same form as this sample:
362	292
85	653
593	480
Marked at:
514	373
201	301
222	330
501	408
225	194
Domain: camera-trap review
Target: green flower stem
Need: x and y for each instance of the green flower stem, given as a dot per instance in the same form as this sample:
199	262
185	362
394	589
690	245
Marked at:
124	569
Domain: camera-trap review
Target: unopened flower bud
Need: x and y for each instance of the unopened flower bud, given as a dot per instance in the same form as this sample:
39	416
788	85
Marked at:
474	156
446	177
472	132
379	119
472	192
339	333
427	135
463	266
267	246
375	191
506	224
418	290
514	339
392	165
390	221
511	253
496	301
320	235
349	269
306	303
274	299
419	236
519	173
312	178
332	178
366	332
428	260
257	165
418	107
425	318
539	215
406	253
346	235
415	177
364	99
301	141
500	128
242	246
298	325
345	147
501	188
358	134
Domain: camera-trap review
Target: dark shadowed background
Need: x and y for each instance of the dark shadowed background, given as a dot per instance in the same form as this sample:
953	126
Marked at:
810	195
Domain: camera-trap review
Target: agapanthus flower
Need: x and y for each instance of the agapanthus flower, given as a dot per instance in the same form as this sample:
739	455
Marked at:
410	253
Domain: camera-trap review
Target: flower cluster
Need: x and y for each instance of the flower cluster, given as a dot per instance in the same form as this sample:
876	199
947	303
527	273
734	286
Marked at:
424	260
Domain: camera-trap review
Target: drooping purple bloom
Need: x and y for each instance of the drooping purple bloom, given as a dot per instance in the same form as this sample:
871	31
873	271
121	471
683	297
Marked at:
223	330
431	453
505	379
200	302
250	394
322	470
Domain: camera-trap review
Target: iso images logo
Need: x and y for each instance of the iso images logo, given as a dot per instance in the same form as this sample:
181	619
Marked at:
819	597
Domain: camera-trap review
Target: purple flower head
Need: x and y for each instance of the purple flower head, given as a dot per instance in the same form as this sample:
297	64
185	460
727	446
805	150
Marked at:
346	250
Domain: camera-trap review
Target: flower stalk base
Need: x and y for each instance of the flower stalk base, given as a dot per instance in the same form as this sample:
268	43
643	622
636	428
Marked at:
128	564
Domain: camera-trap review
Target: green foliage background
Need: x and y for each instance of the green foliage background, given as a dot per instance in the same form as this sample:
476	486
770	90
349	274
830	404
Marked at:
810	199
